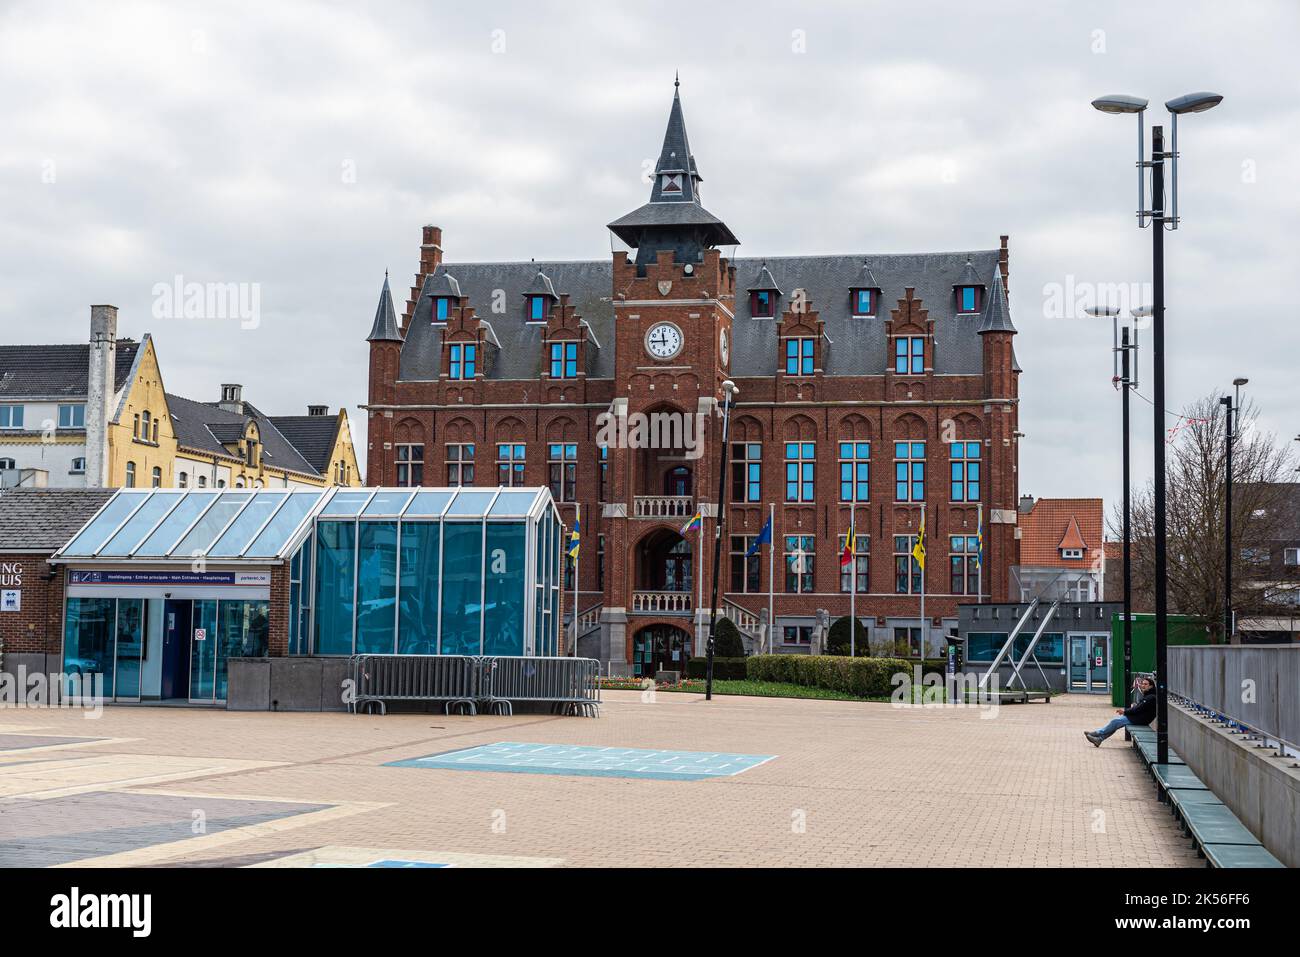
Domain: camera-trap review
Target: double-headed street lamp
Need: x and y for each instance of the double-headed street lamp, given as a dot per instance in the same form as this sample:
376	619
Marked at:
1233	408
729	393
1124	371
1157	214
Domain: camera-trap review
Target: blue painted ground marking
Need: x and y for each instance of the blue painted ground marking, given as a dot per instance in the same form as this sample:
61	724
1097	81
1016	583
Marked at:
516	757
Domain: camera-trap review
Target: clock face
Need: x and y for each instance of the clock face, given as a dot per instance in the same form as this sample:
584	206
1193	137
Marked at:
724	347
663	341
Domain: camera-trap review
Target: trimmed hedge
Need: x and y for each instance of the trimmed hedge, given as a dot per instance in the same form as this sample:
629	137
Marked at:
724	669
727	642
864	677
837	640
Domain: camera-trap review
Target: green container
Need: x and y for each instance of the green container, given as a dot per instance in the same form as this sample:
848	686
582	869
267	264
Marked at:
1183	630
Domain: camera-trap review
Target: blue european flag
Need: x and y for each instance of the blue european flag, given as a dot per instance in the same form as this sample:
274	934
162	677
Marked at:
764	537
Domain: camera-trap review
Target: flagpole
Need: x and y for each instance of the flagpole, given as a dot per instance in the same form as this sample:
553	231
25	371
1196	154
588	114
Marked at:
771	573
923	563
979	566
699	585
577	565
853	576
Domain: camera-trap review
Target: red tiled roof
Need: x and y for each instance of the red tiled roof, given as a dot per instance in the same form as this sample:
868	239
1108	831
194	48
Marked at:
1057	523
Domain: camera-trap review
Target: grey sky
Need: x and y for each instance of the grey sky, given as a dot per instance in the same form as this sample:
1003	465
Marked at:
301	146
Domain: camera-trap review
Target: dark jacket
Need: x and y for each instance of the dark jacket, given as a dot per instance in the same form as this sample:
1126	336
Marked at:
1142	711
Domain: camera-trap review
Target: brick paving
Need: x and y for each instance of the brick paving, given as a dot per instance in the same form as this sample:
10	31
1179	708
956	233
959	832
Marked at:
854	784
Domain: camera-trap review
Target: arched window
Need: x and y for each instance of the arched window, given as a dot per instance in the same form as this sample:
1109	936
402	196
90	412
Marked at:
156	477
78	466
130	475
182	480
203	481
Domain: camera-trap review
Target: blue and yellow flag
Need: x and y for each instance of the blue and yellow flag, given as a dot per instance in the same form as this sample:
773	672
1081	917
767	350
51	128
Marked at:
575	540
918	550
696	522
979	538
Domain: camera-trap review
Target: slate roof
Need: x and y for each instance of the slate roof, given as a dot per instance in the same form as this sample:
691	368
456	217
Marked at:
385	324
312	435
203	427
858	345
46	518
57	371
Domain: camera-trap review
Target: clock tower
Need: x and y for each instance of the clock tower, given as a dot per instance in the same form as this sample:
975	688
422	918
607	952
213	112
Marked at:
674	299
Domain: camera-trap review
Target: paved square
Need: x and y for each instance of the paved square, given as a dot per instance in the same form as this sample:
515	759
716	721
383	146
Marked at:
851	784
593	762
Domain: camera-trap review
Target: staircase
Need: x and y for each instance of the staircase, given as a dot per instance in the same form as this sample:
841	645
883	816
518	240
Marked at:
748	623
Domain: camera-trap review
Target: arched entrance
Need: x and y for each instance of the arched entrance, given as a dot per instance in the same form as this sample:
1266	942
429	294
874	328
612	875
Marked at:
665	563
658	648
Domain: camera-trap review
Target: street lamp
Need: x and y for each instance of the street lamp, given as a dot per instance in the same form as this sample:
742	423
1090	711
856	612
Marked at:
1124	374
1233	408
729	392
1191	103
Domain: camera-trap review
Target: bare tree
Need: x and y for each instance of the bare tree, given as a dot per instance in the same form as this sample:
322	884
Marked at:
1194	508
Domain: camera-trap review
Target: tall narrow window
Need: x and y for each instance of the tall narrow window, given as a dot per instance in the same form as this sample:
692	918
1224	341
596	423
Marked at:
968	298
800	559
130	475
861	564
762	304
462	361
604	473
600	563
963	562
460	464
799	356
862	305
746	471
441	309
510	465
909	471
562	460
564	360
965	471
410	465
907	573
538	308
855	471
744	567
909	355
155	477
800	466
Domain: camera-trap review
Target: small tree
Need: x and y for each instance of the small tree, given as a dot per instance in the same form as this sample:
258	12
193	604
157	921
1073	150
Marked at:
837	641
727	641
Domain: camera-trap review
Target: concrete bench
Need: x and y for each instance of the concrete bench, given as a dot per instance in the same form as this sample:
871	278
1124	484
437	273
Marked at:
1175	776
1238	855
1148	751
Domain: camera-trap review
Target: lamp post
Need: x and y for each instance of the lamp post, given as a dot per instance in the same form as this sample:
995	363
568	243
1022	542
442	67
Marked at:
729	392
1233	408
1124	372
1162	219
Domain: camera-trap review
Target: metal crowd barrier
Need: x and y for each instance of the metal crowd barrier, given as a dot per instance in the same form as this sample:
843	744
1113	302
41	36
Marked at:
379	679
570	685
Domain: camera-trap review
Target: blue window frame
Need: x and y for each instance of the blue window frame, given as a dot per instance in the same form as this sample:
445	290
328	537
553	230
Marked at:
800	464
537	308
564	360
462	361
862	305
909	355
746	471
965	471
855	471
799	356
969	298
441	308
909	471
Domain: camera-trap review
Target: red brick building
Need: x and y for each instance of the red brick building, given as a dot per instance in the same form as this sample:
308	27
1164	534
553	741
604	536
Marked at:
890	379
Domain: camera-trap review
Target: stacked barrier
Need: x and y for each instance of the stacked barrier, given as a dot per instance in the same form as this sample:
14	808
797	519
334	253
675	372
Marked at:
570	685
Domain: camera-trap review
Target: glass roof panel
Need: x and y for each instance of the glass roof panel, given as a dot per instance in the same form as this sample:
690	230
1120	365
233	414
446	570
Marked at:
242	529
514	503
286	521
145	518
213	521
428	504
471	503
114	513
388	501
346	503
174	525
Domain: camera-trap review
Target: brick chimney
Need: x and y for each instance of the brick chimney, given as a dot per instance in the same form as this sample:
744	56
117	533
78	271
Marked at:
318	410
100	392
430	260
232	398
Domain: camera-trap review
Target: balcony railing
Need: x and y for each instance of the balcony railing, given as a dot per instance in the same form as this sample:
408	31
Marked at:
663	506
662	602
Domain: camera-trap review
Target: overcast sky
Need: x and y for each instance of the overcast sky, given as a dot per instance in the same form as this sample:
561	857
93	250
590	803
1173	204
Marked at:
301	146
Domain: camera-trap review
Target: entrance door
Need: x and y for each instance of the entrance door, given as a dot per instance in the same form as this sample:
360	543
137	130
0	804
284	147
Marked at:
678	481
660	648
1090	663
177	636
203	657
677	567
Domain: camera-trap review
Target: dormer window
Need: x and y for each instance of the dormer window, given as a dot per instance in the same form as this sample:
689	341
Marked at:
1072	553
864	302
441	308
670	184
762	303
539	308
968	298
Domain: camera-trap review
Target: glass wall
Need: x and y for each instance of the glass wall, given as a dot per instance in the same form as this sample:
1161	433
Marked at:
203	651
503	606
130	647
417	629
336	544
376	587
462	588
241	633
88	640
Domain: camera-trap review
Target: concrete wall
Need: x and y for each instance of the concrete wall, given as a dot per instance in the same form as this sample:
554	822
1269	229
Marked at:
1260	788
286	684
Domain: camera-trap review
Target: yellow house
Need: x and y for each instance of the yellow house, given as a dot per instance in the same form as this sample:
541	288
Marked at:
141	440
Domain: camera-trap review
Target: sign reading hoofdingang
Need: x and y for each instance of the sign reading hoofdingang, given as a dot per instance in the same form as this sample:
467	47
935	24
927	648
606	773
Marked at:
97	576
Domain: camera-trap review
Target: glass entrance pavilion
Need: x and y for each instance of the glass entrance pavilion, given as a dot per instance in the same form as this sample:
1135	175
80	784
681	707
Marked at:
164	587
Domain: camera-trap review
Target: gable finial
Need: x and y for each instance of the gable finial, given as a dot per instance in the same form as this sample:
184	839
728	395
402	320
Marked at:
677	79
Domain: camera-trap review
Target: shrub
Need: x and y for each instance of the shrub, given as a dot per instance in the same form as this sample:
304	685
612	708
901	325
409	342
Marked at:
837	641
863	677
724	669
727	641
